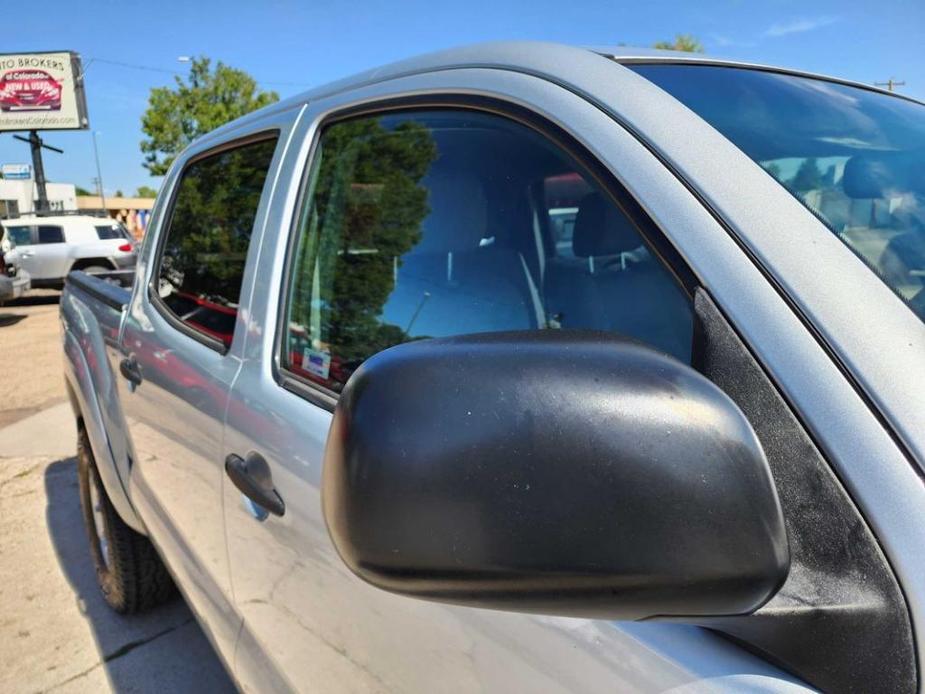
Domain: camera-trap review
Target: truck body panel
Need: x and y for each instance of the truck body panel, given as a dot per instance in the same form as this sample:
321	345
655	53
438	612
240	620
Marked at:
274	597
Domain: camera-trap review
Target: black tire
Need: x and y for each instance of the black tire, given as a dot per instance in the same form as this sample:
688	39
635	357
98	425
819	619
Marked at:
129	572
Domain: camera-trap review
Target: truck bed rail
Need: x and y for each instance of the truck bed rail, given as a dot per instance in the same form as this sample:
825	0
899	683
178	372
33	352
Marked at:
109	288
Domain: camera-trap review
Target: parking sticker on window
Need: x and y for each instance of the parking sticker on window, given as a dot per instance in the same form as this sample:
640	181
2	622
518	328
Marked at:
316	362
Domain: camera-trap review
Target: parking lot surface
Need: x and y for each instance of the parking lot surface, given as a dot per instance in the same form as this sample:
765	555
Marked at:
56	632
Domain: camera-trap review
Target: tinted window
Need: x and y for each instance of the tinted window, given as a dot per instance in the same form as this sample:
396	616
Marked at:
440	223
106	232
854	156
20	236
202	257
51	234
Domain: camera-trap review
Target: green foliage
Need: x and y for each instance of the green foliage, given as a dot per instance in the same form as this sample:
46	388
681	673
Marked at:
213	217
145	192
207	99
366	212
808	177
682	42
82	191
119	194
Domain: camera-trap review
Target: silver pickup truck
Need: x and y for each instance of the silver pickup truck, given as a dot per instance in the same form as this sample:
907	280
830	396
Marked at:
523	367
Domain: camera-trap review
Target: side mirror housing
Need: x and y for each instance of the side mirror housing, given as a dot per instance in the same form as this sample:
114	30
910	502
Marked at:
552	472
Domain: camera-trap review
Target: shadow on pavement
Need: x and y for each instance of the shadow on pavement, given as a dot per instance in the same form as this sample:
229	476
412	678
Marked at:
10	319
44	298
161	650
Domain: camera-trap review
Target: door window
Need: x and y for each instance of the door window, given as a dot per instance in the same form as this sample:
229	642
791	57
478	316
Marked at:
202	256
51	234
20	235
438	223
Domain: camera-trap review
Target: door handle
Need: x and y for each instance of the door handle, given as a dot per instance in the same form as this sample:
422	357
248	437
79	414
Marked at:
129	368
251	475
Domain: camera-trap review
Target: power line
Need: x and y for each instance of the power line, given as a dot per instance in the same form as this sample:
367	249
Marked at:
150	68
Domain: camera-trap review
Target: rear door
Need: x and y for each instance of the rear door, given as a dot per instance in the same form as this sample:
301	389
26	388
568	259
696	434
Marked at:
51	252
404	222
23	237
180	353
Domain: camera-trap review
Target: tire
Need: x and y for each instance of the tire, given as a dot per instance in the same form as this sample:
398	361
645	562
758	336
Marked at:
96	269
129	572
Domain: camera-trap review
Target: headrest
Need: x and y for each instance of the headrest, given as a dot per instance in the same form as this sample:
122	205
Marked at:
601	228
883	174
458	213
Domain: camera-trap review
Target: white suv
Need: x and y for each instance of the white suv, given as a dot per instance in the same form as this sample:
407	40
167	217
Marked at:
51	246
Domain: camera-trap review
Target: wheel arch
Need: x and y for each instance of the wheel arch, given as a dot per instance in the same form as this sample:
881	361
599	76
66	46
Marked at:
85	406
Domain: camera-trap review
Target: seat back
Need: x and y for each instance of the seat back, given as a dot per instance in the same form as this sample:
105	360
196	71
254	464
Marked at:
614	283
457	279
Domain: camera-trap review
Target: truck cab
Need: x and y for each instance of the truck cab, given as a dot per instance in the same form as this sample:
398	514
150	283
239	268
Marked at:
519	367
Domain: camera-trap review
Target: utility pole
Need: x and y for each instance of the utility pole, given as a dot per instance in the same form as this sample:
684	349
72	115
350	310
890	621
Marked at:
99	175
889	84
36	145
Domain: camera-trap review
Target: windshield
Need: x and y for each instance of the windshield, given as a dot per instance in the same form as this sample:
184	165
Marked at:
855	157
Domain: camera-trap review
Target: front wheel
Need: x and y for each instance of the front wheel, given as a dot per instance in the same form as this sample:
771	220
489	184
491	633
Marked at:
129	572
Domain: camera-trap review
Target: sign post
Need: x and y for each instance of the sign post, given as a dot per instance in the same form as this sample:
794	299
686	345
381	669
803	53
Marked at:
41	91
36	145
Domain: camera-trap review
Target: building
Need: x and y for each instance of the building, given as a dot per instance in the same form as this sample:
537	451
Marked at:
19	196
134	213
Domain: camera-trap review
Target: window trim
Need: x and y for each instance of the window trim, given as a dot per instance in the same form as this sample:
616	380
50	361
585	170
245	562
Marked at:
152	290
649	232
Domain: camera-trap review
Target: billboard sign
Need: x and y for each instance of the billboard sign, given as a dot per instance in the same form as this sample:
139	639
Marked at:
16	172
42	91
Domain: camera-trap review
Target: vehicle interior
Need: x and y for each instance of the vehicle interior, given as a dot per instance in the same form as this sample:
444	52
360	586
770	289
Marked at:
855	157
516	236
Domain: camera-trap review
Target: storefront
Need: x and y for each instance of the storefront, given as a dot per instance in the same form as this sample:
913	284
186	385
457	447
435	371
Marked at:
134	213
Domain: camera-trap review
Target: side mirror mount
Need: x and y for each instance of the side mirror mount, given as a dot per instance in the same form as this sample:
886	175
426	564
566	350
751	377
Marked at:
552	472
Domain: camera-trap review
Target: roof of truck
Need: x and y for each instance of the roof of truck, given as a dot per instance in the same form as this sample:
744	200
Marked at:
553	61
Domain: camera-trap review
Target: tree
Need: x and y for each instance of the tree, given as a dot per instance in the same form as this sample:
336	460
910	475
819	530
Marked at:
369	195
145	192
808	177
207	99
82	191
118	193
682	42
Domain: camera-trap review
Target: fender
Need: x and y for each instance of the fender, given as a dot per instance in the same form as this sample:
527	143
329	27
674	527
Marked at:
113	469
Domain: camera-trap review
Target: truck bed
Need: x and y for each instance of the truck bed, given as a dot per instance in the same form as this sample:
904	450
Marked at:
111	288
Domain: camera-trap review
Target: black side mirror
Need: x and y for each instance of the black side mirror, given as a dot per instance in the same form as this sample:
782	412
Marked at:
553	472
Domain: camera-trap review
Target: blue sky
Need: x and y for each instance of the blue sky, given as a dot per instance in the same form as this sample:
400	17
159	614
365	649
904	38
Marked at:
288	46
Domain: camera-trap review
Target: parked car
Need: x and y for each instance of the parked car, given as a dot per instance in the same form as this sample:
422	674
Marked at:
387	426
14	281
52	245
29	90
